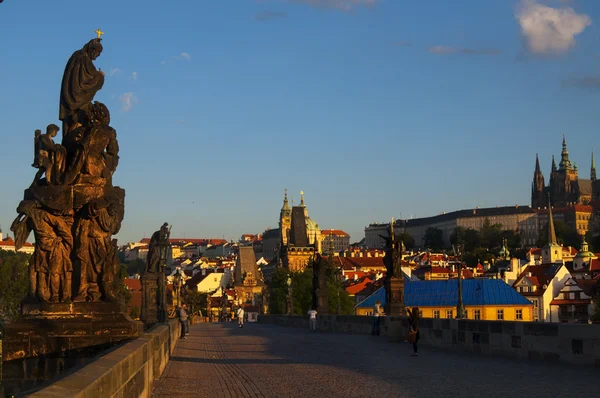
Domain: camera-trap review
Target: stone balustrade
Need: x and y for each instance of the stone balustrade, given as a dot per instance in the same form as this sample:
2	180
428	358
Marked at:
128	371
559	342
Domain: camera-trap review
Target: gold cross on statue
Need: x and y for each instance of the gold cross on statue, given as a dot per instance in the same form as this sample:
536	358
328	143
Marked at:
99	33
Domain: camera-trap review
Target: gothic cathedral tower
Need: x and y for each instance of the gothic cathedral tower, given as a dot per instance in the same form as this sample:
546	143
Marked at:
538	186
285	220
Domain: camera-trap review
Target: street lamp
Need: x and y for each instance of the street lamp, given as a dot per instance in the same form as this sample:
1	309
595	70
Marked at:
460	308
290	304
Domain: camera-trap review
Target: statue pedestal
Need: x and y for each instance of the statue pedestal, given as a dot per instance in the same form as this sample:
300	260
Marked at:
396	305
152	287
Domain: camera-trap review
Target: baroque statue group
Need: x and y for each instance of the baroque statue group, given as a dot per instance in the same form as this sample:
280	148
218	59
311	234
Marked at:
71	206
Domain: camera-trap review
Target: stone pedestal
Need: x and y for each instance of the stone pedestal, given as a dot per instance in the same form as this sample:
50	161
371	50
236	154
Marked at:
396	297
151	291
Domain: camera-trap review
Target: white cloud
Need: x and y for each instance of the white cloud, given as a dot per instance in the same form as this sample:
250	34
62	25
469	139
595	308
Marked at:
345	5
128	100
549	30
181	57
134	75
114	71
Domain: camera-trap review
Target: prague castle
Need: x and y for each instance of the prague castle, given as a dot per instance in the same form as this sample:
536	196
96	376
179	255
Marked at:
565	188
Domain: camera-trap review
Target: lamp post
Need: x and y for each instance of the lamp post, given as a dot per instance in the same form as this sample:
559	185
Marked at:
460	308
290	304
224	300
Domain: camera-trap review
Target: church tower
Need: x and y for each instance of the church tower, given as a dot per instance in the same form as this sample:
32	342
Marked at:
564	181
593	169
537	187
552	251
285	220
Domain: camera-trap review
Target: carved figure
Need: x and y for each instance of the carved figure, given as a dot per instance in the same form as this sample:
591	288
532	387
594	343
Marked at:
96	153
50	266
159	241
95	251
49	157
388	259
81	81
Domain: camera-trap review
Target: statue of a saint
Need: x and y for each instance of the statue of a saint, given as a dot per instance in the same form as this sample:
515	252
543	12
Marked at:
81	81
95	251
96	149
50	266
159	242
50	158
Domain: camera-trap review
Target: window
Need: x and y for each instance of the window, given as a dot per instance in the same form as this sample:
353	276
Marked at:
477	314
535	304
436	313
500	315
519	315
449	314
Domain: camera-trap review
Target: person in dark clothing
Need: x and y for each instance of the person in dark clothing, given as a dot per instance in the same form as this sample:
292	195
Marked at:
413	321
183	319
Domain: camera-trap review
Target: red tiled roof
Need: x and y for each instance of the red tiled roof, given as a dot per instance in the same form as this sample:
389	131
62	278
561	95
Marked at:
595	264
357	287
359	262
136	300
8	241
191	240
133	284
337	232
439	270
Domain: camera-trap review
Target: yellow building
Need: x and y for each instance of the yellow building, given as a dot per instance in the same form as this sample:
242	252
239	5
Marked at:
483	299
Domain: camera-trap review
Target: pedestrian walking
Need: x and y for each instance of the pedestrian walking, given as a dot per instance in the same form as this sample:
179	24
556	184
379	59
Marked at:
377	314
183	320
312	320
240	317
413	332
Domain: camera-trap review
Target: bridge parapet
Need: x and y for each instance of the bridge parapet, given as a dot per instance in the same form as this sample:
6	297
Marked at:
128	371
558	342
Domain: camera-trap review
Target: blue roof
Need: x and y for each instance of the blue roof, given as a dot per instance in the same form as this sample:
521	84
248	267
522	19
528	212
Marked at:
445	294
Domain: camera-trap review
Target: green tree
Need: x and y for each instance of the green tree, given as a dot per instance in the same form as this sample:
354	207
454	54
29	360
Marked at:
134	312
196	301
409	241
278	291
14	281
434	239
120	289
491	235
480	254
136	266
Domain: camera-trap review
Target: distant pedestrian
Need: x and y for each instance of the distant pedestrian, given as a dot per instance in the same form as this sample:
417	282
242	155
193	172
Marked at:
183	319
240	317
312	320
377	314
413	332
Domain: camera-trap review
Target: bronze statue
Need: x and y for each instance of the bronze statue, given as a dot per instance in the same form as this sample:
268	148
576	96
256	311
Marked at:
81	81
50	158
158	242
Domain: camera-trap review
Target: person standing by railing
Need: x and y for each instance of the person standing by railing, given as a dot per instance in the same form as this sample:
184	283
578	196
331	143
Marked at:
377	314
413	331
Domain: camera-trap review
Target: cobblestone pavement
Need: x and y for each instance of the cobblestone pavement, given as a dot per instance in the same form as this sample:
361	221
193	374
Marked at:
220	360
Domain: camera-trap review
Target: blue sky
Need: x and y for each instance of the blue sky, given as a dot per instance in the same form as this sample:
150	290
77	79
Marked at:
374	108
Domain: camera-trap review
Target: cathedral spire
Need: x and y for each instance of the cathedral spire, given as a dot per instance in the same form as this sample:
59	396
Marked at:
302	199
551	231
286	205
593	169
565	163
553	164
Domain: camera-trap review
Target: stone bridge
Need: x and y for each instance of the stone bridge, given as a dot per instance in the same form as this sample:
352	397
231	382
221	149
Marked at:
270	360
